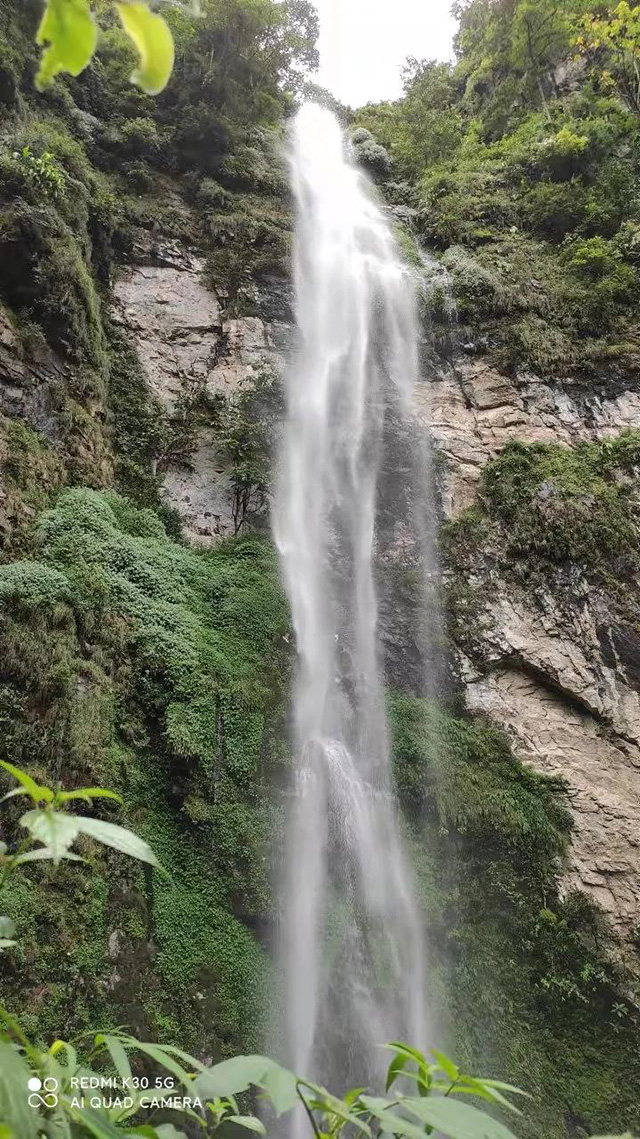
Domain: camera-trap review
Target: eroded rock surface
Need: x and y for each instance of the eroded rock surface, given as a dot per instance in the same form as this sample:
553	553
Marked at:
557	668
474	411
189	348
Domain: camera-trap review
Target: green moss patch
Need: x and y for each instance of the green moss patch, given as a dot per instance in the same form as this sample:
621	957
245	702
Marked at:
526	989
133	662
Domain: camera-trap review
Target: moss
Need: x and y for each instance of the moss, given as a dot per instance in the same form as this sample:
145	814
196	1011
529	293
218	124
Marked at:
132	661
568	504
478	788
250	238
138	423
528	992
32	472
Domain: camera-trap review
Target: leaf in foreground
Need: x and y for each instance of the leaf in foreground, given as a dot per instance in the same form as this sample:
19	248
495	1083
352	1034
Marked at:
71	33
154	44
457	1120
118	838
56	831
234	1076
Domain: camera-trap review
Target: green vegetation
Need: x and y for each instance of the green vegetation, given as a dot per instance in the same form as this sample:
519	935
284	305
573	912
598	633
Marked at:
131	661
69	29
569	504
546	505
527	987
521	161
157	671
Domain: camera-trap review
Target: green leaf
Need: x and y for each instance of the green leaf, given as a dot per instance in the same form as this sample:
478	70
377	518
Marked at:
391	1123
500	1085
248	1121
14	1106
87	793
72	33
117	1053
476	1088
455	1119
70	1053
153	42
6	943
281	1086
43	852
95	1124
238	1074
7	926
31	788
395	1068
12	794
196	1065
119	838
324	1101
468	1085
54	829
448	1067
408	1051
161	1057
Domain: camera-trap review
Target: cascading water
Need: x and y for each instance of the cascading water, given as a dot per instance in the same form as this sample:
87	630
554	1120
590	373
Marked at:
352	946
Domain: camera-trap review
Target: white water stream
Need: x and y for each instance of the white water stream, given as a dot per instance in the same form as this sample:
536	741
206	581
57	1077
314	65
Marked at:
352	949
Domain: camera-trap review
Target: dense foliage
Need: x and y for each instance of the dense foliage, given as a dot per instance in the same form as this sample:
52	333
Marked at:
522	972
157	670
521	161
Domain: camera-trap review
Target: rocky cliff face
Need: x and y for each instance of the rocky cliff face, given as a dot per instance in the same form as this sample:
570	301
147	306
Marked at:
553	660
194	354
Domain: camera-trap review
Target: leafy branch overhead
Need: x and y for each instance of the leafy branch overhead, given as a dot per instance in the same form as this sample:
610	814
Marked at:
69	33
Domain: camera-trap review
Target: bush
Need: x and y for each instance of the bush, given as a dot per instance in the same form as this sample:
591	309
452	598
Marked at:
553	209
211	195
139	177
465	207
47	273
567	504
36	175
479	291
139	138
370	154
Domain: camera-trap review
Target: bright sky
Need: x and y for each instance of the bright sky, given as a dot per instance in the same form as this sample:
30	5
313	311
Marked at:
364	43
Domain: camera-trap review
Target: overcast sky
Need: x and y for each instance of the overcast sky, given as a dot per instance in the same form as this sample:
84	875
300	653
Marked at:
364	43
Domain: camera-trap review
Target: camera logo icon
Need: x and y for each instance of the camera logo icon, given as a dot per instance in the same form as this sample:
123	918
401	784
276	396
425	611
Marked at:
43	1092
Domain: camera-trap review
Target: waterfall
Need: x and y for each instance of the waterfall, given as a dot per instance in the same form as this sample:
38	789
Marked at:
352	951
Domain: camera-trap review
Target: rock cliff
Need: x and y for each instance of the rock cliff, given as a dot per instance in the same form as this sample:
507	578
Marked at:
553	661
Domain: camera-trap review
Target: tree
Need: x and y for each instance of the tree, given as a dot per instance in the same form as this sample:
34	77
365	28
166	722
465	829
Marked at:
612	43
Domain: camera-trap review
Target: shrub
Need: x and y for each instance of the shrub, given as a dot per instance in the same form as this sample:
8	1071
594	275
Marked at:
42	172
553	209
370	154
567	504
139	138
466	206
211	195
477	289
